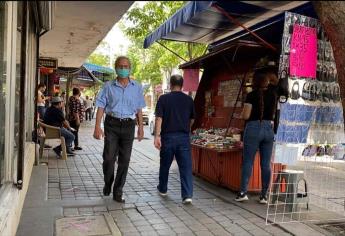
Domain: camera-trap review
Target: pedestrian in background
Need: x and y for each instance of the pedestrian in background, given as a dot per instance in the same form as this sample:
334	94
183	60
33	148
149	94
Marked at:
41	100
76	115
122	101
88	108
55	117
174	118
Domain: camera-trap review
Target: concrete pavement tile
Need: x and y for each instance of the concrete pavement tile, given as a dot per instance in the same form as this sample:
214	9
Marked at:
186	234
149	233
131	234
148	212
70	211
160	226
233	228
226	223
213	226
203	233
100	209
242	234
145	228
207	220
182	230
221	232
128	229
166	232
141	223
156	221
171	219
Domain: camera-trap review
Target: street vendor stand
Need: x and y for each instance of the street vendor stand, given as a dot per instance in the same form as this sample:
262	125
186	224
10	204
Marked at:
221	92
239	34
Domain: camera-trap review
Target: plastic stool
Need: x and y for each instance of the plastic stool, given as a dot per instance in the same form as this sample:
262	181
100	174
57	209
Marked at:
291	196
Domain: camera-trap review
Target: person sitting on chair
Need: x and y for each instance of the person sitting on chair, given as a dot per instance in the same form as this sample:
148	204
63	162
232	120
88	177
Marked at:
54	117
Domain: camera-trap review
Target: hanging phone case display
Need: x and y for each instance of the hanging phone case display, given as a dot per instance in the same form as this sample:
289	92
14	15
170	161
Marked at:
312	117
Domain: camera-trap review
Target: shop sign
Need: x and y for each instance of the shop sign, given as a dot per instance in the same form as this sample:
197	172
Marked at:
51	63
303	53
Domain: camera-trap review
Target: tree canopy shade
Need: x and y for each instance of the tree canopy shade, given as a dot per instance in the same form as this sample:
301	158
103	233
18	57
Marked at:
152	64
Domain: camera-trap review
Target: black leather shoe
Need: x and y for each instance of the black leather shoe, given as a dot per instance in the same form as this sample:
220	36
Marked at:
106	190
70	153
78	148
119	198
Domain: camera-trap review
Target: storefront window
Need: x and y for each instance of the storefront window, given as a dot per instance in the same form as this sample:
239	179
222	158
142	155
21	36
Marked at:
3	62
17	89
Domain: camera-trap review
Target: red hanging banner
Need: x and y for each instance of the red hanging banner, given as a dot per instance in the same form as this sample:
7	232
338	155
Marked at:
303	52
190	80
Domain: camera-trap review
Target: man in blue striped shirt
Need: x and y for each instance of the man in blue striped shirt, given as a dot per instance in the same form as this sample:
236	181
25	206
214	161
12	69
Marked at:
122	101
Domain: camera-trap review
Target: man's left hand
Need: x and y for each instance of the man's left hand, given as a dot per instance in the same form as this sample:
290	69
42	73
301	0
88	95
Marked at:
140	133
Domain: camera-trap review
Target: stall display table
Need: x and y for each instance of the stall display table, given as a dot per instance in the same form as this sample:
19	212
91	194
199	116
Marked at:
223	167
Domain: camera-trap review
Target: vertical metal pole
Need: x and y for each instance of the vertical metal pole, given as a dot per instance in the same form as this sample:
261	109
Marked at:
36	88
21	131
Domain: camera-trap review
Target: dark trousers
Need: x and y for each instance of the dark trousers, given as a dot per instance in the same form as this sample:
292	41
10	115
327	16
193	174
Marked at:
74	125
118	142
88	114
176	145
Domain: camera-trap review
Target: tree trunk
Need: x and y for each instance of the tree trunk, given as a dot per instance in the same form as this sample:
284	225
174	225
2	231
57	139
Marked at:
332	18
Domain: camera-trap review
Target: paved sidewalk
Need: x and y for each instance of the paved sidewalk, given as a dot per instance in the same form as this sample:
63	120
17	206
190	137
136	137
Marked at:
74	188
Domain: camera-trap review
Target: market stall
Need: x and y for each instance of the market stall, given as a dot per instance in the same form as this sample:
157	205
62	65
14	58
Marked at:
239	34
217	135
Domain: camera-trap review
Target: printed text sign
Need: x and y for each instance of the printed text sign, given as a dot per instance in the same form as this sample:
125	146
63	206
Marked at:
303	52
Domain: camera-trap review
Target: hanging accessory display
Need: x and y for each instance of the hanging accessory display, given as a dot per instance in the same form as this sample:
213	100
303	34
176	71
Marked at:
326	93
283	86
336	93
294	94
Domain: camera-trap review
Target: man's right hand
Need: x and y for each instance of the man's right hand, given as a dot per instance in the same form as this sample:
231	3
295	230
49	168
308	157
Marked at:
157	142
98	133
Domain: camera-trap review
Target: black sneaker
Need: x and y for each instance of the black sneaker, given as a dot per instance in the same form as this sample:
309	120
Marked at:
57	152
241	197
78	148
263	199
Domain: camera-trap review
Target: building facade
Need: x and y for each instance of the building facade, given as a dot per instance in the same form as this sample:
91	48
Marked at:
21	24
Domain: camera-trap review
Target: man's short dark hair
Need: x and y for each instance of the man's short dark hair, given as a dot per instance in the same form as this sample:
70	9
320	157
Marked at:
76	91
176	81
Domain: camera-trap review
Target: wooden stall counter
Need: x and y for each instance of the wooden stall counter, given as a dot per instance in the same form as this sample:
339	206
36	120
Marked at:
223	167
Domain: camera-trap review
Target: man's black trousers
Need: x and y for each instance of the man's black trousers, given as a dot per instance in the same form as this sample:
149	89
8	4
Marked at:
118	142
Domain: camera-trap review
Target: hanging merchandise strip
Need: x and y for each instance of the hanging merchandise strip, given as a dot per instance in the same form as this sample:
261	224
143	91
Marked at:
313	112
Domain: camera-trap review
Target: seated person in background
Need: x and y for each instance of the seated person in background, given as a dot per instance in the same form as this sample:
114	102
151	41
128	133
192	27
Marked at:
54	117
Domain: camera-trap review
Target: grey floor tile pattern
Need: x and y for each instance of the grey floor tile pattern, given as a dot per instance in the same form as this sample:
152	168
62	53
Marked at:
145	212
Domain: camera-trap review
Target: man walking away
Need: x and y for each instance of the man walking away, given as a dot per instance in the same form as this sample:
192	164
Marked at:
122	100
88	108
174	117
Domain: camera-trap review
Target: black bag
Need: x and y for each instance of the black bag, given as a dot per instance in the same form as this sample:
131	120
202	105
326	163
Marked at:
294	94
283	87
326	93
336	93
306	90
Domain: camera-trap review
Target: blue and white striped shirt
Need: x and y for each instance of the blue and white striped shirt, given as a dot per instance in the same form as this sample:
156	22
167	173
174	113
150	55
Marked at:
121	102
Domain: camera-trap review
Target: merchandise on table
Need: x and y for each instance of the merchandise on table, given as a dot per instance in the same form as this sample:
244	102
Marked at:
216	138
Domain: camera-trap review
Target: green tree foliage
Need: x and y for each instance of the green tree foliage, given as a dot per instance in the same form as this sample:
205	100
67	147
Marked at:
150	64
98	59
